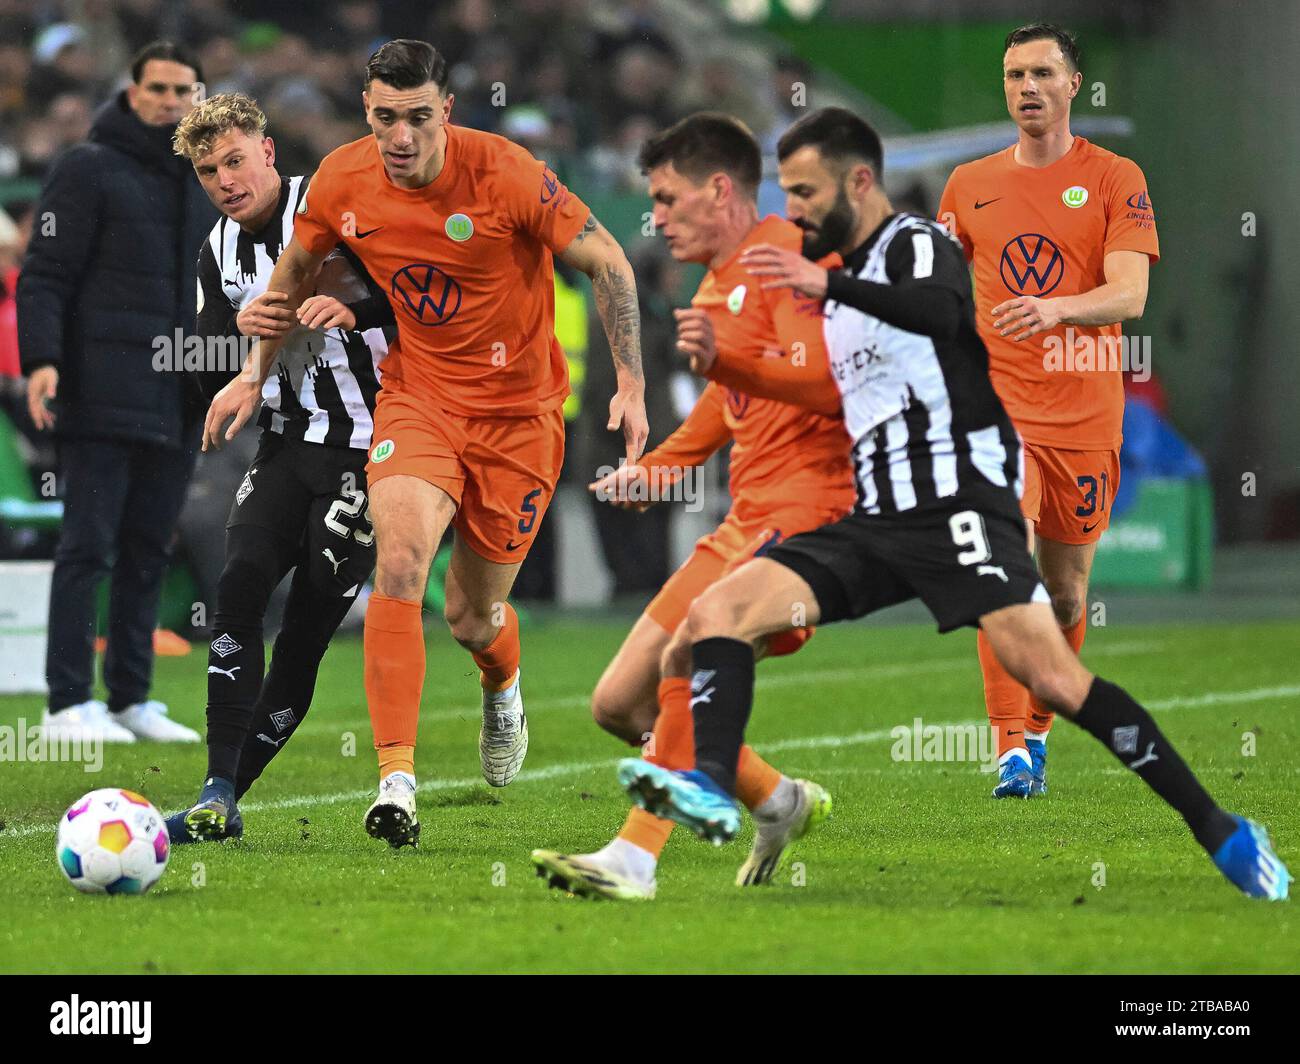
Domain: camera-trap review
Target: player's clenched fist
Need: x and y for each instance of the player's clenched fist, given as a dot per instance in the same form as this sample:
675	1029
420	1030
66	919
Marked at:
326	312
695	339
266	316
237	400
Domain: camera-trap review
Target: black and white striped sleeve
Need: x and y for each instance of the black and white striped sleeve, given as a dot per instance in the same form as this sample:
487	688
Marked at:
216	314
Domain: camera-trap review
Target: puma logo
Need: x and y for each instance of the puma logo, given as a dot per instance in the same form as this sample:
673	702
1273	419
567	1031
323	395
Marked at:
1150	755
336	562
267	739
992	570
229	673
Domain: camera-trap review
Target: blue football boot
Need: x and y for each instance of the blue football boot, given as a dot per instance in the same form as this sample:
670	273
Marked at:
1015	780
1248	860
1037	766
692	799
207	819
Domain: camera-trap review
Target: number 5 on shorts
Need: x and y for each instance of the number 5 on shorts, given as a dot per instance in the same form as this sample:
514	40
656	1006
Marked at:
967	530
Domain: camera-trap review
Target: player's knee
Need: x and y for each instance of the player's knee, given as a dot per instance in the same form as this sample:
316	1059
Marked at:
470	628
1069	600
712	615
609	708
402	566
676	657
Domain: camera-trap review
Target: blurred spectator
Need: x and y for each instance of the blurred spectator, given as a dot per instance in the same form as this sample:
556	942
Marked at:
110	270
61	62
11	250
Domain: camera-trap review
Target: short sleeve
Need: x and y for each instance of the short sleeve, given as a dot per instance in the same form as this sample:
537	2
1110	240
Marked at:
539	202
1130	217
311	221
920	255
949	219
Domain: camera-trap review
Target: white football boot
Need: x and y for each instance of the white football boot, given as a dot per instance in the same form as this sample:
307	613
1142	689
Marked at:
620	871
149	720
392	815
86	721
773	835
503	738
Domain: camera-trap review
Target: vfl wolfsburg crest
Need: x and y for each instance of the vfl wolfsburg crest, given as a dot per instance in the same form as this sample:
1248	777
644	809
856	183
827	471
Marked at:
459	228
383	451
1075	196
736	299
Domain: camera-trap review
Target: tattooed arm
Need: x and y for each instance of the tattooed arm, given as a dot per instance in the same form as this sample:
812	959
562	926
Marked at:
599	256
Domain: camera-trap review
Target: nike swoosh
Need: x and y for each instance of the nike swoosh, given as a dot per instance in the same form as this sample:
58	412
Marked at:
513	545
978	204
1089	528
362	236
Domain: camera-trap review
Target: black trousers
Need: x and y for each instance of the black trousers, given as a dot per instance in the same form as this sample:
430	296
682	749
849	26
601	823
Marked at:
121	501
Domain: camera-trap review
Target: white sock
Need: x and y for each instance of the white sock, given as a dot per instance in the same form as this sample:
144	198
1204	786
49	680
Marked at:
1016	751
628	859
1037	736
780	803
507	694
399	775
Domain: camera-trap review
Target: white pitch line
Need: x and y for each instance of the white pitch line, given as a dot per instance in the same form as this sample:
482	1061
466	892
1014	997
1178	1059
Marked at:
574	768
766	680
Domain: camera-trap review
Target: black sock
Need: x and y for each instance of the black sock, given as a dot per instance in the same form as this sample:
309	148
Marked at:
312	615
235	661
722	694
1110	714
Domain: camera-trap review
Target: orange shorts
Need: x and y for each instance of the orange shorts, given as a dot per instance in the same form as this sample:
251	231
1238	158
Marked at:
500	471
1068	494
728	547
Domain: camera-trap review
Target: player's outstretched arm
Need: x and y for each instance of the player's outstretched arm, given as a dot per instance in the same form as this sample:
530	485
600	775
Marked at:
291	280
1122	298
600	257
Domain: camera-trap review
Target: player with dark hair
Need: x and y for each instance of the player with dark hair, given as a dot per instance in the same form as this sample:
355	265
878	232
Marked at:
790	473
1062	235
459	227
938	471
301	505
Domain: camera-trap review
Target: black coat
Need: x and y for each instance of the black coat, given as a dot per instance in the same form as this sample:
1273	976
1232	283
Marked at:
110	268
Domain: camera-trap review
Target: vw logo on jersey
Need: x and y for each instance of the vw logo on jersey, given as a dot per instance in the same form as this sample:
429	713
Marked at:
1032	265
1075	196
736	299
1139	201
737	403
430	295
459	227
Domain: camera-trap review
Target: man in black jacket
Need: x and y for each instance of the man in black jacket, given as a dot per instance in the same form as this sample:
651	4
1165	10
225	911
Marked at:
108	283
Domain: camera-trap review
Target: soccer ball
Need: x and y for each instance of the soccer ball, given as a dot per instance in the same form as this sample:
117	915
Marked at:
112	842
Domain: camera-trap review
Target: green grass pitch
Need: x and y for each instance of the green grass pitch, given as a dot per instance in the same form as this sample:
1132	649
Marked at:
919	870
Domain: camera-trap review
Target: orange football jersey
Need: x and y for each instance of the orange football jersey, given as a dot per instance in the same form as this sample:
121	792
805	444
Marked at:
781	452
466	264
1046	231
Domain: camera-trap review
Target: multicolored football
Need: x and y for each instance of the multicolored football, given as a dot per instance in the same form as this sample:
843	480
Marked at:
112	841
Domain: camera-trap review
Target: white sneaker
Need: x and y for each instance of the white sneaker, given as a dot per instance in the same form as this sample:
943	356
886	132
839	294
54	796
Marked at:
503	738
149	720
85	721
771	837
392	815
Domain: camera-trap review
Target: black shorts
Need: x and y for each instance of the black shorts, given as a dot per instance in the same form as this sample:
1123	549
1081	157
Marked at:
314	496
962	560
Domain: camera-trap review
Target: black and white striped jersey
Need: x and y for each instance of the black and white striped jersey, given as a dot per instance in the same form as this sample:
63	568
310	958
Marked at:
924	419
323	386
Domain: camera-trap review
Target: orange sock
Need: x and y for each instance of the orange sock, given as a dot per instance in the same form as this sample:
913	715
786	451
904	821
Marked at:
1006	701
1040	717
755	779
499	660
672	746
394	678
